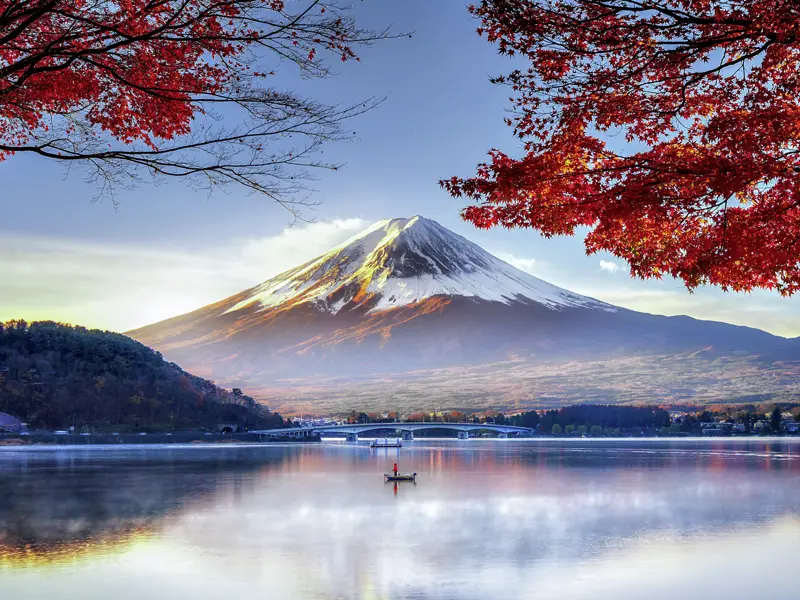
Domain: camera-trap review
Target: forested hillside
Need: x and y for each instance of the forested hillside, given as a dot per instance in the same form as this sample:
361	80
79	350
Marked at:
54	375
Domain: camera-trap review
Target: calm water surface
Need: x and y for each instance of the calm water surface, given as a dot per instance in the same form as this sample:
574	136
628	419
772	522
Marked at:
487	519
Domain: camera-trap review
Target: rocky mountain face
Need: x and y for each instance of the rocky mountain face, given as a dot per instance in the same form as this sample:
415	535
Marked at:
408	296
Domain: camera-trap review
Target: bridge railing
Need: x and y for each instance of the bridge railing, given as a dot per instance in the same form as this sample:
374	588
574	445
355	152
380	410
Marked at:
363	427
431	423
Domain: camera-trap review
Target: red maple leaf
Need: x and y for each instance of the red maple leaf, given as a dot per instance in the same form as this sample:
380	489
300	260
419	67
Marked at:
123	85
669	128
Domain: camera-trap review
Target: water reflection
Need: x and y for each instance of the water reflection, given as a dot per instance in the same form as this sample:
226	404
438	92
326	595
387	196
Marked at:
59	505
486	519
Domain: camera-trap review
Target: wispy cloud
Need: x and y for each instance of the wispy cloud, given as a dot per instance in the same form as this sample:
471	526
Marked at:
611	267
762	310
523	264
122	287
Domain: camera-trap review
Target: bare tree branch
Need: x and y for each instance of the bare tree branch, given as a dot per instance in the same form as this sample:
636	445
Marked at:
175	89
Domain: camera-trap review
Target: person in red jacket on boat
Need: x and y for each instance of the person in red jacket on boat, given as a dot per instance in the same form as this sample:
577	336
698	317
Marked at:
394	468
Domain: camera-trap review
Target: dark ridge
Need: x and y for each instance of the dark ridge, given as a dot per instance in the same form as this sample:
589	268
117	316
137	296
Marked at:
53	375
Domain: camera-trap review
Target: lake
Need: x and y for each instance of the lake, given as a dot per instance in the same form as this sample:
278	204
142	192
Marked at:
600	519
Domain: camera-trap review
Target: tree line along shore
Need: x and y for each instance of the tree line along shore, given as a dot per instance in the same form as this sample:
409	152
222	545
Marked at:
56	377
598	420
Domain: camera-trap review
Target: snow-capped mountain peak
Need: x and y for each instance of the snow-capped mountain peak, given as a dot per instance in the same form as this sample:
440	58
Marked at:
398	262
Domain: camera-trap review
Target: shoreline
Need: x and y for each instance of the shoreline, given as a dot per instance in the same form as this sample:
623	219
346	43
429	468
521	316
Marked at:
116	447
237	443
152	439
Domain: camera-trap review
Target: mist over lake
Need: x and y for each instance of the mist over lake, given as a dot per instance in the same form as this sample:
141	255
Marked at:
486	519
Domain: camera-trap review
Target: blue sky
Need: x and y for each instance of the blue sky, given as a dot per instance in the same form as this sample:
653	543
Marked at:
169	249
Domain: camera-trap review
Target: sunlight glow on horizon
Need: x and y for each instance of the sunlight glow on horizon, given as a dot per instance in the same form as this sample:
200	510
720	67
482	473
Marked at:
124	287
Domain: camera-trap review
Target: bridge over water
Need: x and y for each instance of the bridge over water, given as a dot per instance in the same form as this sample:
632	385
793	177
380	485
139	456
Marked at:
404	430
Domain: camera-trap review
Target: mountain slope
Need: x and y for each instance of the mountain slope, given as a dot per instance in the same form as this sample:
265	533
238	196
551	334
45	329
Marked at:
408	295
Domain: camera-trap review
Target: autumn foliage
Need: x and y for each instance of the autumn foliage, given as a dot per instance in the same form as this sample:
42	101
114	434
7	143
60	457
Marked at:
172	88
53	375
668	128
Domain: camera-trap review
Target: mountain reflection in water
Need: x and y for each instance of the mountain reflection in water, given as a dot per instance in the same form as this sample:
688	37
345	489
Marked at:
591	519
61	504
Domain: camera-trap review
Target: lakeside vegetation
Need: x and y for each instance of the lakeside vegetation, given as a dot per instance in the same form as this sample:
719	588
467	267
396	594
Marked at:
579	419
54	375
597	420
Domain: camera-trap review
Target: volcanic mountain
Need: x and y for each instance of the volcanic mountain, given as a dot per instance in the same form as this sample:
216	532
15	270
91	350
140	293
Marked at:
408	296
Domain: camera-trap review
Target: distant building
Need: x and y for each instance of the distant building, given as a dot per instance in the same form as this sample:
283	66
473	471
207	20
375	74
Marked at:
716	428
791	425
677	417
9	424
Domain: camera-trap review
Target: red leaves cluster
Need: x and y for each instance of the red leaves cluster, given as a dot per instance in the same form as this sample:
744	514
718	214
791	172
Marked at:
142	70
670	128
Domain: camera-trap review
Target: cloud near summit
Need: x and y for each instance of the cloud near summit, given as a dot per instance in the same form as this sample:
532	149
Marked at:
121	287
609	266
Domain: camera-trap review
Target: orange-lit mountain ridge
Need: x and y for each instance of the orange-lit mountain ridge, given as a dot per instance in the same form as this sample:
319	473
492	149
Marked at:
408	294
400	262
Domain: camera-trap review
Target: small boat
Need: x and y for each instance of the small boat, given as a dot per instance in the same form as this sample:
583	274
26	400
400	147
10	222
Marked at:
386	443
400	477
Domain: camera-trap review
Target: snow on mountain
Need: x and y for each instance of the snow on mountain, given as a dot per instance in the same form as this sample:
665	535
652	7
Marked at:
399	262
408	305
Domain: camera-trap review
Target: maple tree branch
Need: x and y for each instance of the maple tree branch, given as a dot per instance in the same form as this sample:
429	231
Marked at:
707	97
148	85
